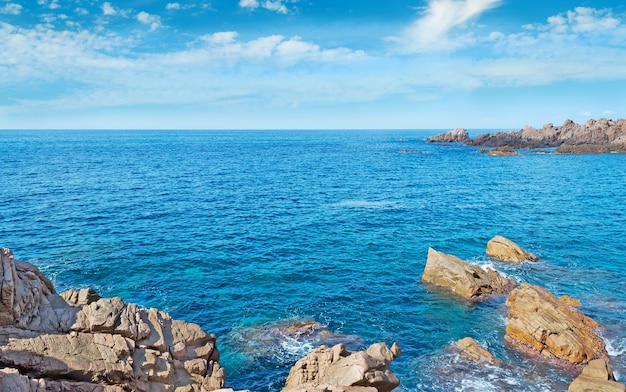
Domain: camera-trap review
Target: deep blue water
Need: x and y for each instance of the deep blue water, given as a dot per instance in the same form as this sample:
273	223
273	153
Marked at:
240	231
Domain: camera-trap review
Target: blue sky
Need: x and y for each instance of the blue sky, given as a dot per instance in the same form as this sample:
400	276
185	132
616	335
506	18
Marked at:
307	64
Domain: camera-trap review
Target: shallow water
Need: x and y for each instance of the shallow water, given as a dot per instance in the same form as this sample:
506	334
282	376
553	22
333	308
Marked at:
236	231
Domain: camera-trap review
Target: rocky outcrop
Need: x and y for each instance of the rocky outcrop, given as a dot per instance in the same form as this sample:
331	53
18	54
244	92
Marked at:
467	280
503	249
602	132
540	322
597	376
459	135
336	369
94	344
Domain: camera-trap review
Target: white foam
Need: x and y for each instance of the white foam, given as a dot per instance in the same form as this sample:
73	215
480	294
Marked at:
366	204
615	348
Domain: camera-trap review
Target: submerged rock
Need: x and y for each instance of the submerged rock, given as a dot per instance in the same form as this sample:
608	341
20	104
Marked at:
288	339
504	151
470	349
102	345
336	369
467	280
455	135
503	249
597	376
540	322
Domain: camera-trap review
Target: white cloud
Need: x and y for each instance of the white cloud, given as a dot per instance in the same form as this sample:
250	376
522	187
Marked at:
11	9
153	20
277	6
250	4
108	9
54	5
582	20
433	30
81	11
172	6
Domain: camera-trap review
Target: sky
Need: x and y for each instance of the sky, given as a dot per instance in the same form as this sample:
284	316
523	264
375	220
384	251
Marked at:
310	64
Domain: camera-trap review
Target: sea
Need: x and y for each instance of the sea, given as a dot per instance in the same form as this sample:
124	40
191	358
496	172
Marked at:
243	232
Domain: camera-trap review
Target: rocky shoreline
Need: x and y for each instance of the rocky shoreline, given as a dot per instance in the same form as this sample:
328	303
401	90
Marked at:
593	137
78	341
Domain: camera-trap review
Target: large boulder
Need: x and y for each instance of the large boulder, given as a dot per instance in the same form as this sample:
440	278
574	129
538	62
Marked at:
95	344
459	135
467	280
336	369
538	321
506	250
597	376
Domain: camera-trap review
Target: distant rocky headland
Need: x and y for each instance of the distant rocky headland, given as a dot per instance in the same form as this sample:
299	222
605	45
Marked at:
592	137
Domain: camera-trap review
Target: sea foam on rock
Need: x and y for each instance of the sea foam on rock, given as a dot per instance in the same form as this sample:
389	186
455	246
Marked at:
94	344
463	278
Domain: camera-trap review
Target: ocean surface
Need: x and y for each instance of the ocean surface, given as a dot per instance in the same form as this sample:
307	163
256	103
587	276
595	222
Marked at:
244	231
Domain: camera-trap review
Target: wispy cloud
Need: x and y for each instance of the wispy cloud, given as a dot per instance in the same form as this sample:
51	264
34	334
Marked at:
11	9
108	9
437	28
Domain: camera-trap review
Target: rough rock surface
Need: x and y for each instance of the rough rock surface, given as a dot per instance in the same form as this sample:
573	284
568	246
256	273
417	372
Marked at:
540	322
506	250
335	369
94	344
471	350
455	135
597	376
467	280
594	132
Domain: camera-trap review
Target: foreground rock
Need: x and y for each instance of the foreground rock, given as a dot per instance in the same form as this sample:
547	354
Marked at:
602	132
467	280
538	321
596	377
459	135
503	249
94	344
335	369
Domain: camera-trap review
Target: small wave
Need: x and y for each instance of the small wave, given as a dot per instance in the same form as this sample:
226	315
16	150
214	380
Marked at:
615	347
383	204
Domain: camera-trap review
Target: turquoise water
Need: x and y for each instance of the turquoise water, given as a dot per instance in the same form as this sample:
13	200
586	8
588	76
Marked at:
241	231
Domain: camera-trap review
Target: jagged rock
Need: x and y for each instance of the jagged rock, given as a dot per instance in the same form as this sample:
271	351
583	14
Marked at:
103	345
600	132
540	322
471	350
336	369
455	135
597	376
80	297
506	250
467	280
